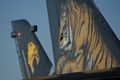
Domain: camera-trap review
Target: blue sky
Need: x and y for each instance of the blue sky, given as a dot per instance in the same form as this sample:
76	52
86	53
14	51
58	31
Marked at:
35	12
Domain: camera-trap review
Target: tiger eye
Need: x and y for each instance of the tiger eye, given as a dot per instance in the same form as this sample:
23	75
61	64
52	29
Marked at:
65	32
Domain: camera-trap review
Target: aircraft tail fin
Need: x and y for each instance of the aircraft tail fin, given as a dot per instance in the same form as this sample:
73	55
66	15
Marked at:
33	60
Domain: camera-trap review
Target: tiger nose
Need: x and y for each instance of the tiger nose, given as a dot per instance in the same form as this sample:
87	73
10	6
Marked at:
61	37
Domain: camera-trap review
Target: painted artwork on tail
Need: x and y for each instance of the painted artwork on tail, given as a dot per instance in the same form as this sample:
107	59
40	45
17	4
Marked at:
33	60
86	43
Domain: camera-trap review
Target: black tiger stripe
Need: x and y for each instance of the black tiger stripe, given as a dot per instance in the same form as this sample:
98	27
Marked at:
98	55
97	41
80	58
111	61
102	55
89	22
106	59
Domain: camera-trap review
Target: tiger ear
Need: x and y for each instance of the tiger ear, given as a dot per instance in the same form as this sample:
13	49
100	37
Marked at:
70	3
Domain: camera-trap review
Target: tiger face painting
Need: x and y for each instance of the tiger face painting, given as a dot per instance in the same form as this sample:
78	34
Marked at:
66	38
32	55
83	47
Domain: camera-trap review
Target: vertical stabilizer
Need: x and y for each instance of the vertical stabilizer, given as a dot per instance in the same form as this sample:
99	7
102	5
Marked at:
33	60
